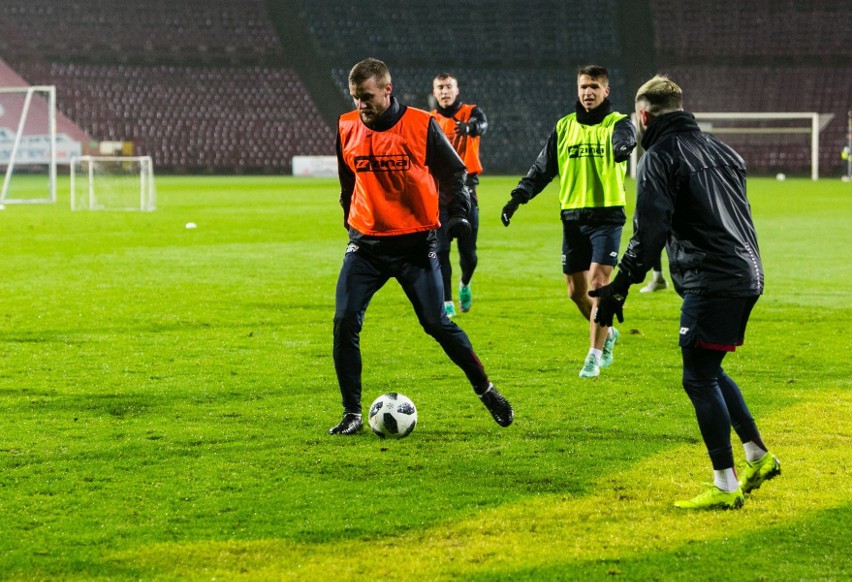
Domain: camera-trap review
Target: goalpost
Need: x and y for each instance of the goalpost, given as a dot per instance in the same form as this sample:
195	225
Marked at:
113	183
28	142
760	123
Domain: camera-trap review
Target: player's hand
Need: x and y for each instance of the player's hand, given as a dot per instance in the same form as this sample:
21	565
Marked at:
458	227
621	153
462	128
611	300
509	211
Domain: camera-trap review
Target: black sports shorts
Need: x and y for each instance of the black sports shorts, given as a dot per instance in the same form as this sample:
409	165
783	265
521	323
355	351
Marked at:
714	323
584	244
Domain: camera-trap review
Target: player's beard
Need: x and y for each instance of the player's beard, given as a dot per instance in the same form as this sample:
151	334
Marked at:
371	114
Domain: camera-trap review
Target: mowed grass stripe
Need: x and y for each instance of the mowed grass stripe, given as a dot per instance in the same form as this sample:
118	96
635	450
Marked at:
628	517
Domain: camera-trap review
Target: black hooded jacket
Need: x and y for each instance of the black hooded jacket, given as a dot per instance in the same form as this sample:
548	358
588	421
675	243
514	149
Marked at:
691	197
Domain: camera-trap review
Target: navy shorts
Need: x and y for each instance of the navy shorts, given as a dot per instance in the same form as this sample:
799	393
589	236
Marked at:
584	244
714	323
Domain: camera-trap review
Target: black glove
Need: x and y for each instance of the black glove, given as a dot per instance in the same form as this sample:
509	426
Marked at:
509	209
611	300
622	153
458	227
463	128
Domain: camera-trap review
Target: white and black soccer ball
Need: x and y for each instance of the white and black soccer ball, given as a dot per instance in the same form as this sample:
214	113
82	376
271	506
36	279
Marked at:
393	415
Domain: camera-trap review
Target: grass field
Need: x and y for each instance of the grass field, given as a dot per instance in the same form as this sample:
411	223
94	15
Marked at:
165	395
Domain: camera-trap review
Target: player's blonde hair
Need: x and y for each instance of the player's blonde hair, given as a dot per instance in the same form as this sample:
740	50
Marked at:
660	95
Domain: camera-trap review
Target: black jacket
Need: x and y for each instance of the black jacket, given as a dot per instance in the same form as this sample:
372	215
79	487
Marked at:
691	197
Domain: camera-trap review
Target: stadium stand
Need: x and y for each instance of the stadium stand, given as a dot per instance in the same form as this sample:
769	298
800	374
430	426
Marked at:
763	55
516	61
220	86
203	30
64	125
214	119
201	86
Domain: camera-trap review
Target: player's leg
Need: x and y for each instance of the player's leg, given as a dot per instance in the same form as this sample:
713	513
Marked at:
468	259
444	247
700	371
605	241
707	333
601	339
658	281
358	281
578	291
761	464
576	260
599	275
421	281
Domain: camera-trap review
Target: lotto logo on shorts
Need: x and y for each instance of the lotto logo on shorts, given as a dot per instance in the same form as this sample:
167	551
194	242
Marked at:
684	330
433	255
352	248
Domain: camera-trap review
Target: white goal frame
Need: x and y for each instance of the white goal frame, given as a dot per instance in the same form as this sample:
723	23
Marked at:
816	123
10	167
147	192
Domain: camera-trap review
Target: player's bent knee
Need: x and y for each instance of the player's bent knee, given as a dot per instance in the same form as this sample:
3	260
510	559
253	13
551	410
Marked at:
347	325
436	327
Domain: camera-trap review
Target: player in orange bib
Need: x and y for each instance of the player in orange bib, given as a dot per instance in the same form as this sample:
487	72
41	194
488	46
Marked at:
464	124
392	159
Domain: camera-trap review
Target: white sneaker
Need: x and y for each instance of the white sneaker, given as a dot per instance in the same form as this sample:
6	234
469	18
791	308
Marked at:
591	367
654	285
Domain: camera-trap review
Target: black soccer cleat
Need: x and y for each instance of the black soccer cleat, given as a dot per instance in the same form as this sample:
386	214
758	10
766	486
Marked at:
498	406
349	425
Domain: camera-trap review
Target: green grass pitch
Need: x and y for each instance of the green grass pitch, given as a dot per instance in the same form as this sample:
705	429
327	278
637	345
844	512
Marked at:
165	394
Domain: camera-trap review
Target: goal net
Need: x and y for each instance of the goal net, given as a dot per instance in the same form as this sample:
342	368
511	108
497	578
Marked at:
769	142
113	183
28	144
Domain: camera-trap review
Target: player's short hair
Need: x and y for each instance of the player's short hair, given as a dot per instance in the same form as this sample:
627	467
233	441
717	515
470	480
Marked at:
444	77
660	95
368	69
595	72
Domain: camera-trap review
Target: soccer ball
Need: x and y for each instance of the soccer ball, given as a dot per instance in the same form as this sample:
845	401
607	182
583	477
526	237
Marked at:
393	415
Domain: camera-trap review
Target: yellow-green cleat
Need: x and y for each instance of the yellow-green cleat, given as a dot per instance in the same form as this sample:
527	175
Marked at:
713	498
758	472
